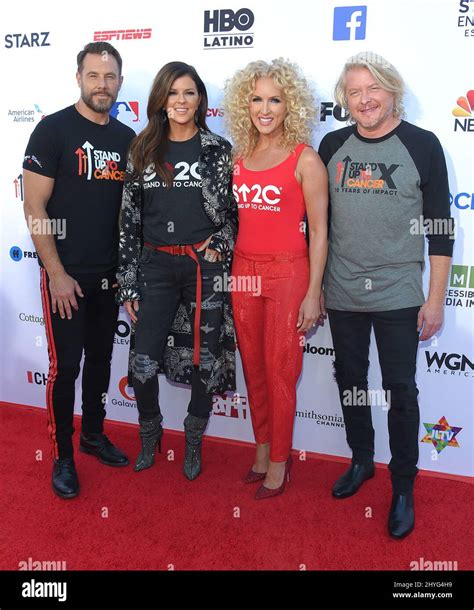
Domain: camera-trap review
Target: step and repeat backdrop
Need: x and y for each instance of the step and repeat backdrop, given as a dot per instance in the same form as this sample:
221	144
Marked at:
432	44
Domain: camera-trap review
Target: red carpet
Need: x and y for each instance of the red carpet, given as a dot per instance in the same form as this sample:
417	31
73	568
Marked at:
157	517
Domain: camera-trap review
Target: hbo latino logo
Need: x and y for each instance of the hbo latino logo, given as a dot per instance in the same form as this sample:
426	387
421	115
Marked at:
228	29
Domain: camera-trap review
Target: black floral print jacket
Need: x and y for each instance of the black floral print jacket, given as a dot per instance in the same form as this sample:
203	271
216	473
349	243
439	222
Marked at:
215	168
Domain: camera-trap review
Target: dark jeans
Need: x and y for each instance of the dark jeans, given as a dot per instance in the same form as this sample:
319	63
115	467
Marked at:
397	342
165	281
91	330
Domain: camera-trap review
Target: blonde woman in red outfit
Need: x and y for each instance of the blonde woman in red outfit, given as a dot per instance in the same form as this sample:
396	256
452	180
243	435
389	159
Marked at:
278	181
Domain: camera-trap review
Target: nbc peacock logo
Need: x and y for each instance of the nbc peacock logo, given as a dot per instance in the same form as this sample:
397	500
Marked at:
463	112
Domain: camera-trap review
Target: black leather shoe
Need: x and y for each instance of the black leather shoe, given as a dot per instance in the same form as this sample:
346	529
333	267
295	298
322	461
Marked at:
99	445
352	479
401	519
64	480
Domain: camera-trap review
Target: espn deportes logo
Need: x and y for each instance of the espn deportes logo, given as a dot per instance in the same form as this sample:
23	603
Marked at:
134	34
228	29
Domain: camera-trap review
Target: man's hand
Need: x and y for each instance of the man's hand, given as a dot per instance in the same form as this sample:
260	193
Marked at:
430	319
63	289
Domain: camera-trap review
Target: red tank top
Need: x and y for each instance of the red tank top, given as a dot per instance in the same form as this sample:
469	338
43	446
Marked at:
271	207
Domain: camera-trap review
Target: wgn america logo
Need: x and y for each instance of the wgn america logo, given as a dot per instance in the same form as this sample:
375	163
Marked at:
228	29
461	287
442	363
466	17
34	39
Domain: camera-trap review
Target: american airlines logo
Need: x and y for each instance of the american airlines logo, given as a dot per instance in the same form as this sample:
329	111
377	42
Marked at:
122	34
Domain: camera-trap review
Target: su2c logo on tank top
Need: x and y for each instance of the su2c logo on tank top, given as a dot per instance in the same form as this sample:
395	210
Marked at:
94	164
256	197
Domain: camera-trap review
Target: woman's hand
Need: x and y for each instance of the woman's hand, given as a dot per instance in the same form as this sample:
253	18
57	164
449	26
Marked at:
309	312
210	255
132	307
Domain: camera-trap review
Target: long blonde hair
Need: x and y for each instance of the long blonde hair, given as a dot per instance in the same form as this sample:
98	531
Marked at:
300	119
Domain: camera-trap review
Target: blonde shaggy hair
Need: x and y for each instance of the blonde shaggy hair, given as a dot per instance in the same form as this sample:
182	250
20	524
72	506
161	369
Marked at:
385	74
300	119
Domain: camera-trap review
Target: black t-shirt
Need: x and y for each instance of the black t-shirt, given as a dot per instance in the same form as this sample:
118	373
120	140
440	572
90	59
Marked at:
88	164
173	216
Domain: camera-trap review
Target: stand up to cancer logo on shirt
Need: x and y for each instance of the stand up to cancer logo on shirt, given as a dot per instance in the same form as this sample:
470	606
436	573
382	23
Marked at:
98	164
256	197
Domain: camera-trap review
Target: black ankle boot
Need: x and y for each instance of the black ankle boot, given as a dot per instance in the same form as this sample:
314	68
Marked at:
352	479
64	480
194	429
401	519
150	432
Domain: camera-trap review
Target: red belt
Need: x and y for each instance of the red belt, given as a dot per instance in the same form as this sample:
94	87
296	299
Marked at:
188	250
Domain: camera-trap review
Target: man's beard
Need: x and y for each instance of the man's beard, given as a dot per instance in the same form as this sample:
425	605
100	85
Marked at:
98	105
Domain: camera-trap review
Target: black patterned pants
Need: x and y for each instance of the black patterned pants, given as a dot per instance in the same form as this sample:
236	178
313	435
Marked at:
166	280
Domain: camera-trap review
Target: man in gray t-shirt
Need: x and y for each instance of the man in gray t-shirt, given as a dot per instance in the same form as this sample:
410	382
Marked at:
388	187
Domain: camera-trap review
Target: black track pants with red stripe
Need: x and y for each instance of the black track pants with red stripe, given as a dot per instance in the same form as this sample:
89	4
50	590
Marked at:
90	331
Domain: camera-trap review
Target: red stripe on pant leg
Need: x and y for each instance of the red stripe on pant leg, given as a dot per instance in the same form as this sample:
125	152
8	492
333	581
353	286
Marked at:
53	364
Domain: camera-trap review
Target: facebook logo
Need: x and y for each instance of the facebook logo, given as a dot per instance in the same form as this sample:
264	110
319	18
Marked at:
349	23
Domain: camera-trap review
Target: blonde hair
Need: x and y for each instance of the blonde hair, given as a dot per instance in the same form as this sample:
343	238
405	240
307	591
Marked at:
386	75
301	116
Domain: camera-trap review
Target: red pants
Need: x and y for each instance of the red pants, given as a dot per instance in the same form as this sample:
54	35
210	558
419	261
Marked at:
268	291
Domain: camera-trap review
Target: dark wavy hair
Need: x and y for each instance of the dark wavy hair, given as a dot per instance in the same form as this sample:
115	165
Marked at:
151	144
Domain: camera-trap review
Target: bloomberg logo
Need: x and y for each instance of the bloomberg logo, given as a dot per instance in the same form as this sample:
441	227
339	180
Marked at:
349	23
228	29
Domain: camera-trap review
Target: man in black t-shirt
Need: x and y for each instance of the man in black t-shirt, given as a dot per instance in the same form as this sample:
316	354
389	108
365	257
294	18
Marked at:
74	168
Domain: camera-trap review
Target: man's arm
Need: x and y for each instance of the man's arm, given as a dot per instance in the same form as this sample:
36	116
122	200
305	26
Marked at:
430	317
38	190
440	242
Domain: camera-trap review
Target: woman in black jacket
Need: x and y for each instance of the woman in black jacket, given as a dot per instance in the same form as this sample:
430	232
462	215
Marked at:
178	226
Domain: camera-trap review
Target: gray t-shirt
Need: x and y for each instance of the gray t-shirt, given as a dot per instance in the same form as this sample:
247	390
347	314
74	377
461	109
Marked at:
382	191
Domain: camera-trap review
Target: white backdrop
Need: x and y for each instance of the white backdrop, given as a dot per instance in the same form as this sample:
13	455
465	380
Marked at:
431	43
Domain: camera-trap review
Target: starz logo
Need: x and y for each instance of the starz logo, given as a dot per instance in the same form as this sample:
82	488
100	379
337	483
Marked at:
441	435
